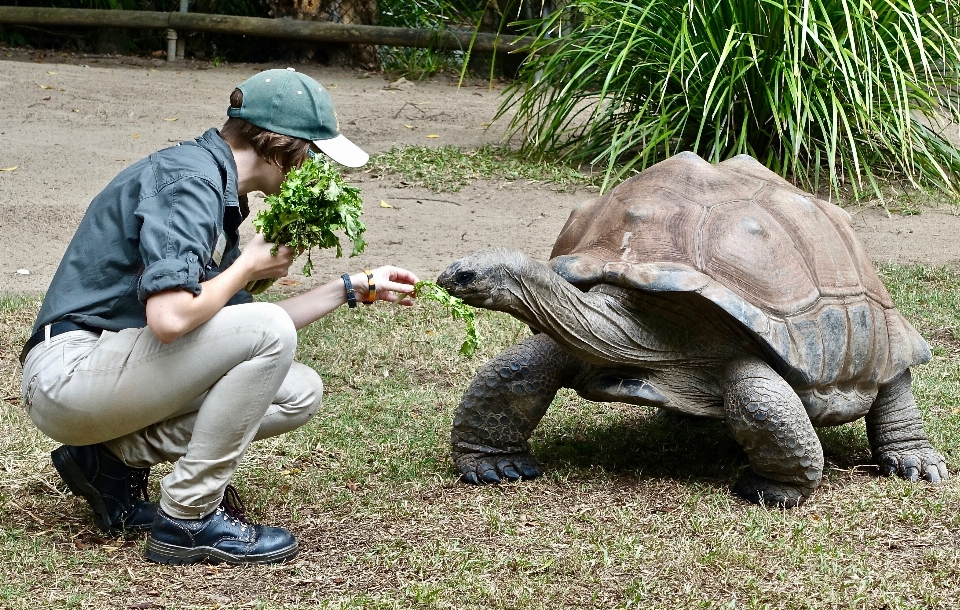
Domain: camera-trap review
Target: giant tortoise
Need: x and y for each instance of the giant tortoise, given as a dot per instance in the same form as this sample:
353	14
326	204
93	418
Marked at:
713	290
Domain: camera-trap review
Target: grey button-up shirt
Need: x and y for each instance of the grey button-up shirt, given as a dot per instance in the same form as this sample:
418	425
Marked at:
159	225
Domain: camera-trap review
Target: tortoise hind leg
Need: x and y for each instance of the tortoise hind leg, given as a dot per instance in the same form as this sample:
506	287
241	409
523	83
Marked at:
896	435
501	407
769	421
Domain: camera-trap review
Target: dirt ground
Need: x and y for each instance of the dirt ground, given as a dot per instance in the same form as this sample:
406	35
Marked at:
69	123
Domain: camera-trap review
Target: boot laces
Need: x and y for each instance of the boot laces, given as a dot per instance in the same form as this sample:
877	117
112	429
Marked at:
233	507
137	485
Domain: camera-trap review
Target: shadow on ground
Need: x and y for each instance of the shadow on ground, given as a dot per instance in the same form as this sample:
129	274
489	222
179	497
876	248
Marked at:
647	445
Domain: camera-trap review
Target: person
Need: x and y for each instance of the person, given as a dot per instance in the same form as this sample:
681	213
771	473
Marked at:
147	349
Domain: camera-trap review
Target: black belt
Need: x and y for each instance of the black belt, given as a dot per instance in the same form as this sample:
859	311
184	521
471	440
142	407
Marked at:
57	328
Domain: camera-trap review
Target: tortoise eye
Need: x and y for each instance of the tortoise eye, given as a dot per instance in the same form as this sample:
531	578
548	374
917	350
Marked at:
464	277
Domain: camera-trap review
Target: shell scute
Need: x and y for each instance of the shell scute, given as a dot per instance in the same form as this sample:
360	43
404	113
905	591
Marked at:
650	226
698	181
750	253
824	252
869	280
865	324
748	166
658	277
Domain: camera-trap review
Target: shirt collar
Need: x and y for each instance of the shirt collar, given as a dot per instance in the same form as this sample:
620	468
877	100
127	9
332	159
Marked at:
213	142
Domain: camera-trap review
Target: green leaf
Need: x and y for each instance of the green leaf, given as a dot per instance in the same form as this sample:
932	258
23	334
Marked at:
458	310
314	202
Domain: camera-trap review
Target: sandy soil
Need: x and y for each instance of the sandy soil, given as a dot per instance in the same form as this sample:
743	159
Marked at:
70	123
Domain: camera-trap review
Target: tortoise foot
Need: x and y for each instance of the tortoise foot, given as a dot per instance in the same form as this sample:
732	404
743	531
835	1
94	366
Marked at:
761	490
913	461
484	468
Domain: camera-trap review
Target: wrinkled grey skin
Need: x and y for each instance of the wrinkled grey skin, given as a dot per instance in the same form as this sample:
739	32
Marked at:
674	351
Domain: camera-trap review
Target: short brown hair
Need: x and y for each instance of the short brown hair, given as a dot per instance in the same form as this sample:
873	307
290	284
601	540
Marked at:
284	151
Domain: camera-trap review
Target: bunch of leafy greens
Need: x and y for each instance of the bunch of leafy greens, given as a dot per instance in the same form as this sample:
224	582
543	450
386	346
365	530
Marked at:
314	202
457	308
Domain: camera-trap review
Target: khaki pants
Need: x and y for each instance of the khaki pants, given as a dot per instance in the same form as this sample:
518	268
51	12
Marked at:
198	401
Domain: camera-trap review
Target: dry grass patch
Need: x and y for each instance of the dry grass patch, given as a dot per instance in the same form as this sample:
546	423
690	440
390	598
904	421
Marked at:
634	511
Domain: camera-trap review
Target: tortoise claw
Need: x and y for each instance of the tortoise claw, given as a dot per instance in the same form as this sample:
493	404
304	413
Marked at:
530	471
508	471
913	463
888	466
488	474
482	468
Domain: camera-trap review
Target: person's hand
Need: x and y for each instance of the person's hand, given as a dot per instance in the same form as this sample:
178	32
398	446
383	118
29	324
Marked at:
393	284
260	264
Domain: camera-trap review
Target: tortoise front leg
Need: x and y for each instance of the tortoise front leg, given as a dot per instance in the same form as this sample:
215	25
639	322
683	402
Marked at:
896	435
769	421
501	407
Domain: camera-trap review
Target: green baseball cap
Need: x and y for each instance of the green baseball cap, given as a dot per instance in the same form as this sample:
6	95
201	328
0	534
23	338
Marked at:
293	104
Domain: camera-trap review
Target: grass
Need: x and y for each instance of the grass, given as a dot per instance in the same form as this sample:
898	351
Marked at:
450	168
634	511
418	63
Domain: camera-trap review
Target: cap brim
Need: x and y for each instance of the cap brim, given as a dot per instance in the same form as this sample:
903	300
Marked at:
343	151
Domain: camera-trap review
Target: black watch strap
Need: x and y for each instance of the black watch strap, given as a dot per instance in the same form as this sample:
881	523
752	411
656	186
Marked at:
351	295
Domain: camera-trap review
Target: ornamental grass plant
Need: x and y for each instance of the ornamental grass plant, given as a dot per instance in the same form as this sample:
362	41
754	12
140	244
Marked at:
847	95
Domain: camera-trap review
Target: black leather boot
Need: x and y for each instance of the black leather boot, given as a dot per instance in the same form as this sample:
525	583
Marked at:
116	492
224	535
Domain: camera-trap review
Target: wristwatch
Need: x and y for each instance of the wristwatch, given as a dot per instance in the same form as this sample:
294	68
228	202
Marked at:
351	295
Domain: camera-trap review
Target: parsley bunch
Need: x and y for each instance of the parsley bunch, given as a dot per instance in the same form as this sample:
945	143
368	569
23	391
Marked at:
314	201
457	308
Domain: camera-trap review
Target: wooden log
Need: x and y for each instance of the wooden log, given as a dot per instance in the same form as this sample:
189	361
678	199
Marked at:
287	29
83	18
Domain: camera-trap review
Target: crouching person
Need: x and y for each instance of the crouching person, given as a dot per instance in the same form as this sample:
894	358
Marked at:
147	349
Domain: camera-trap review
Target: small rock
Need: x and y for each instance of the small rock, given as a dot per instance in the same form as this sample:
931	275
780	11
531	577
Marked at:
399	85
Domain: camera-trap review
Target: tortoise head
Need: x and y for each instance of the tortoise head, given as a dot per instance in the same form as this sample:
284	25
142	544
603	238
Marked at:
489	278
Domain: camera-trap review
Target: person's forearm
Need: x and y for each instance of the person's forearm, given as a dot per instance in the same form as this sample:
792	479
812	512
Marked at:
310	306
174	313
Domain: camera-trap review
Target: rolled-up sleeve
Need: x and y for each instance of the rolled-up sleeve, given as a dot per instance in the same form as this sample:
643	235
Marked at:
178	233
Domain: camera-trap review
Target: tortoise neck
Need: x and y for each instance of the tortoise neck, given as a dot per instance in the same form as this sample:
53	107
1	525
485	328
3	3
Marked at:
591	325
610	324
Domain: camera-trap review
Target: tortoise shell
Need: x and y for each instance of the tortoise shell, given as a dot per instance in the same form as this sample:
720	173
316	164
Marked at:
784	263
